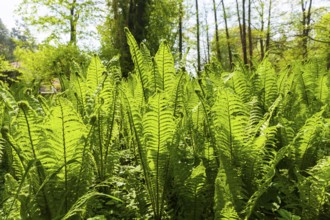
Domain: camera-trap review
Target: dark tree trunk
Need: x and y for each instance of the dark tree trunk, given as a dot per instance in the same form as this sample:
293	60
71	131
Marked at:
198	40
268	26
262	28
207	40
227	35
306	20
73	23
244	44
250	35
180	30
217	44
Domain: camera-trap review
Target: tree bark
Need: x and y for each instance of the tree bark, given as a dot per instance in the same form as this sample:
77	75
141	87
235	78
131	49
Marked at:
180	30
306	20
268	26
227	35
198	40
244	44
262	28
250	35
73	24
217	45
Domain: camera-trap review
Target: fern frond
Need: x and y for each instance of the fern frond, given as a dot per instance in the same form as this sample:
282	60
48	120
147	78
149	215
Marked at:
193	192
239	83
306	141
265	181
266	80
64	130
95	74
230	122
139	63
322	89
78	87
165	64
78	208
158	129
315	189
9	100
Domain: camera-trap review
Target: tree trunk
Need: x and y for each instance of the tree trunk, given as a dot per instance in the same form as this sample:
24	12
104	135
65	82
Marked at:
306	20
198	41
250	35
244	44
268	26
262	28
217	45
180	30
227	35
207	40
73	24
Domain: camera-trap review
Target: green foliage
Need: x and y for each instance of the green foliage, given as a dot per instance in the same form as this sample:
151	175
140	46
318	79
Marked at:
159	144
48	62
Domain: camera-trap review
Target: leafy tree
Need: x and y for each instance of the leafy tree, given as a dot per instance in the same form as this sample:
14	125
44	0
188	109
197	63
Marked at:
48	62
7	45
62	17
149	21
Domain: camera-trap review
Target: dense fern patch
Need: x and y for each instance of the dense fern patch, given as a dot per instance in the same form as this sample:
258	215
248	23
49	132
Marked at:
250	144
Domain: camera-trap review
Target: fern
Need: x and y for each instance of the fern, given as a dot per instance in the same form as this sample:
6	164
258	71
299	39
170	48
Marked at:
158	128
230	122
139	63
192	192
165	64
306	141
317	183
266	80
64	130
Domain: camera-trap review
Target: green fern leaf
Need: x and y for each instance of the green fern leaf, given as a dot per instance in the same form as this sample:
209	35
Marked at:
158	129
139	63
165	64
95	74
266	83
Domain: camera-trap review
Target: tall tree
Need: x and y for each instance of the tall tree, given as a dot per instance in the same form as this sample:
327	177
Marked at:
7	45
261	13
244	44
306	7
63	16
148	20
227	34
198	39
217	45
180	29
250	34
242	29
268	25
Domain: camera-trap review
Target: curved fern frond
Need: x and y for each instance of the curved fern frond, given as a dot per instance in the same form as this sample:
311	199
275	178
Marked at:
266	81
64	130
230	122
194	192
322	89
94	75
158	129
78	87
139	62
239	82
317	183
306	141
165	64
9	100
